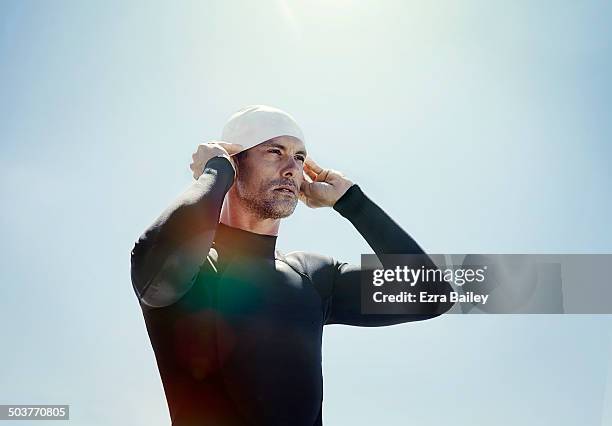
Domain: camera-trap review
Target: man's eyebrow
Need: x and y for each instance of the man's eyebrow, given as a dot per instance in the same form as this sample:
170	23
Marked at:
277	145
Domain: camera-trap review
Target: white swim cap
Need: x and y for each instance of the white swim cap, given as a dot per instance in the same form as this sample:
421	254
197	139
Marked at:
255	124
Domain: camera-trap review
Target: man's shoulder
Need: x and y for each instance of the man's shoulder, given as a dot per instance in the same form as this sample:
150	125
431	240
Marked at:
318	268
308	262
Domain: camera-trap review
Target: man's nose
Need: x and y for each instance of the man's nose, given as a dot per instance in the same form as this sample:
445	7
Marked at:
292	168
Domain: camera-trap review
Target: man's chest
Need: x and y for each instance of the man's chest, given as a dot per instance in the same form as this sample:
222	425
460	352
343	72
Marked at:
243	289
272	290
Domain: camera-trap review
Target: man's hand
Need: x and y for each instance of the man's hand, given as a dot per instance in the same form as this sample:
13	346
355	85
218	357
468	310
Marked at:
208	150
322	187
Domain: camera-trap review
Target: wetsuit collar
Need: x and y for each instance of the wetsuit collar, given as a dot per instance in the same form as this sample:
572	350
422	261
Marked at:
245	242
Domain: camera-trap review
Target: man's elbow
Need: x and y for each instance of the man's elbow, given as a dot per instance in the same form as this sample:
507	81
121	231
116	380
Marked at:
161	282
137	268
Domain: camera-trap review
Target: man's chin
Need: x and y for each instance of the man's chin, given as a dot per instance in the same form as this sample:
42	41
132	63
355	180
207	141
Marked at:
272	207
283	209
286	212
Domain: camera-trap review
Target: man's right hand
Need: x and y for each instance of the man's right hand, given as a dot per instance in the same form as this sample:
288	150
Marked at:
208	150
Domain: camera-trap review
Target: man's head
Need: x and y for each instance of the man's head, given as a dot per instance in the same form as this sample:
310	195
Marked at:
255	124
273	157
269	177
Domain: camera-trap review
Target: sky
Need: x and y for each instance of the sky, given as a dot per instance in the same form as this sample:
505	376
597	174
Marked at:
478	126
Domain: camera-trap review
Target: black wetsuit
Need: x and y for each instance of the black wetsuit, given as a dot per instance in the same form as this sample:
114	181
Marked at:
235	325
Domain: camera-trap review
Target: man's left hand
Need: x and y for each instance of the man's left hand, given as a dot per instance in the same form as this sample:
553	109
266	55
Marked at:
322	187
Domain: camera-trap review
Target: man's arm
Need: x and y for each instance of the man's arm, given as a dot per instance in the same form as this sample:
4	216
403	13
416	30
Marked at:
166	258
384	237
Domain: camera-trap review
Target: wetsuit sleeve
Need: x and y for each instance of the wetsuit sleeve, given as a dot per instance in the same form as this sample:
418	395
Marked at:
384	237
166	258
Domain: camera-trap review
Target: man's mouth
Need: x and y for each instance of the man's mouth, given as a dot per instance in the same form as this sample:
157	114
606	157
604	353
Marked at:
285	190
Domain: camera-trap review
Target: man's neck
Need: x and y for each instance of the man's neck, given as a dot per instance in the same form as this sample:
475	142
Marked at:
237	216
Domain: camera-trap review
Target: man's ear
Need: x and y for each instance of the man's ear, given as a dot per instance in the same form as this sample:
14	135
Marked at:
238	158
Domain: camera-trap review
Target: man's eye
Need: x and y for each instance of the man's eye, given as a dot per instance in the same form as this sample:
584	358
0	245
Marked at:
275	150
301	158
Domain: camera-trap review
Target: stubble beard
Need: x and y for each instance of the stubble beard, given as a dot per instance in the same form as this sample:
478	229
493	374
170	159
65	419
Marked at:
265	203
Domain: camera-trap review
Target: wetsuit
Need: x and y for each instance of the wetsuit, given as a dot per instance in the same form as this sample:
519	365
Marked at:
236	325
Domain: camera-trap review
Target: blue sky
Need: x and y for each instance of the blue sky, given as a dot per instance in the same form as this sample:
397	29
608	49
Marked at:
479	126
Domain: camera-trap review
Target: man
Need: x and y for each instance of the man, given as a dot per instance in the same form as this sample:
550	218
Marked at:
235	324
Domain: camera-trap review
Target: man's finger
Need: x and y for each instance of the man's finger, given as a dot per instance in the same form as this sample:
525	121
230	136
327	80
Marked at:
315	176
305	188
322	177
231	148
314	166
310	173
318	177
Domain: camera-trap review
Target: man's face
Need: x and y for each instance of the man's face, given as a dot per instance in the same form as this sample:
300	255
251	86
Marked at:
266	167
